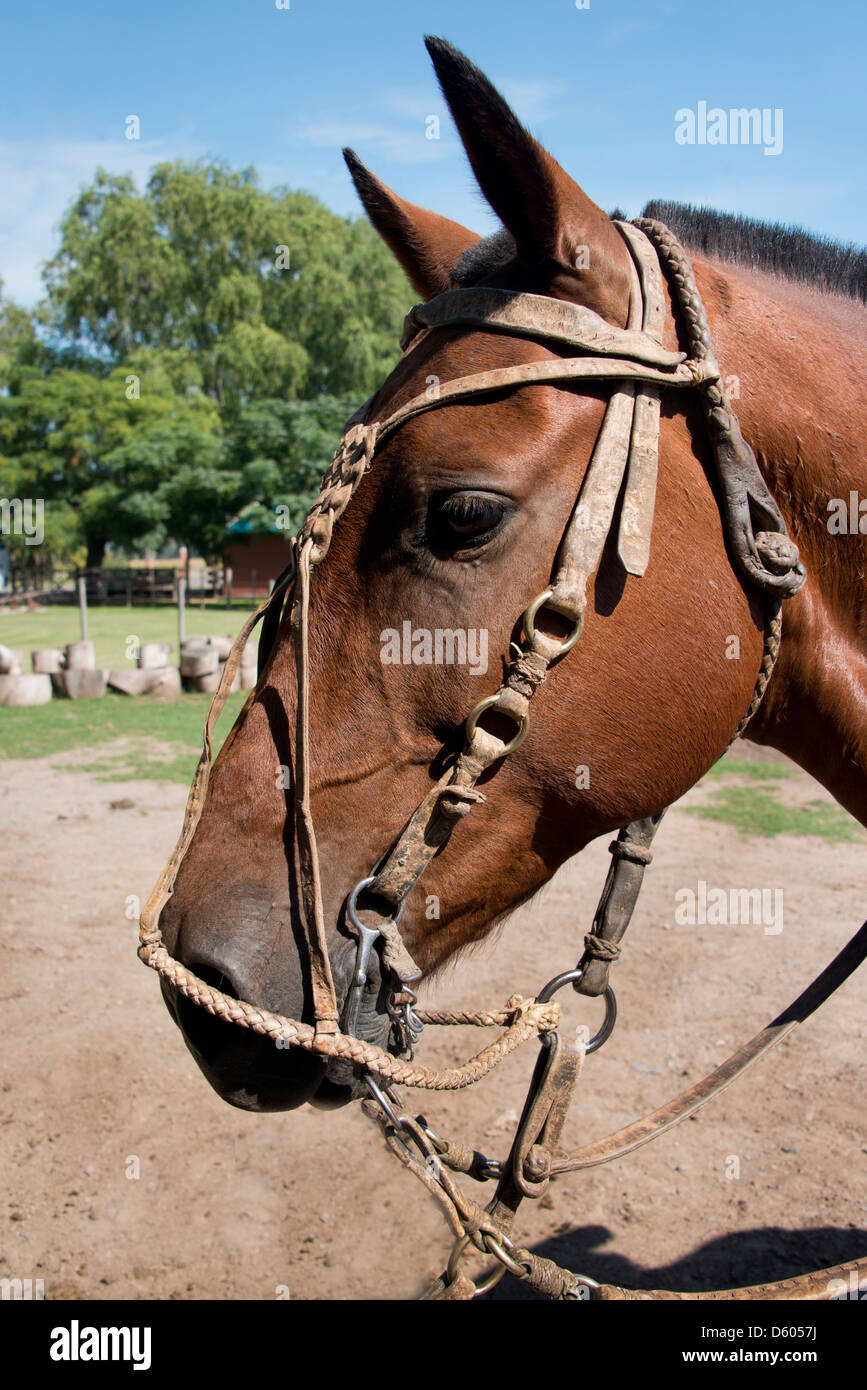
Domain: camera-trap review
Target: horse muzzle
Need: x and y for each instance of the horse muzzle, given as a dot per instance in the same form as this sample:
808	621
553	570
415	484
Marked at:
263	1074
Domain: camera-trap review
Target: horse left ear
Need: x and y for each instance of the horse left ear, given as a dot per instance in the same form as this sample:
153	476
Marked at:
558	230
427	246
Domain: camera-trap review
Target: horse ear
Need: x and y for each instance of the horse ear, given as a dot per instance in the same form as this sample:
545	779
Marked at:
427	246
550	217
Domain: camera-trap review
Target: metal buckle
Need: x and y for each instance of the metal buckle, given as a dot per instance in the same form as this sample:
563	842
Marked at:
569	977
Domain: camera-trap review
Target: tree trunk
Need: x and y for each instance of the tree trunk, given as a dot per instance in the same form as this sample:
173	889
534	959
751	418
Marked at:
95	553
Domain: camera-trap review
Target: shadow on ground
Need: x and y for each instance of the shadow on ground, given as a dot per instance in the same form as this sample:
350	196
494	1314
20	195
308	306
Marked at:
759	1256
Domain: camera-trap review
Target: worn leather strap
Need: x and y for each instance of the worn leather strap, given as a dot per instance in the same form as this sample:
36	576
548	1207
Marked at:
631	855
536	316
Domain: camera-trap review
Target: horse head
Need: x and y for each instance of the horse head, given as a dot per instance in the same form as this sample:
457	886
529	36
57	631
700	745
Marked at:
413	617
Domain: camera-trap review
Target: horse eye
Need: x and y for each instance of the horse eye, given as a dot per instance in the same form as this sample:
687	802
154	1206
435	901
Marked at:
467	517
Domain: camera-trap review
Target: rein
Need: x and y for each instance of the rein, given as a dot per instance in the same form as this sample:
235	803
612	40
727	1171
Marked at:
624	461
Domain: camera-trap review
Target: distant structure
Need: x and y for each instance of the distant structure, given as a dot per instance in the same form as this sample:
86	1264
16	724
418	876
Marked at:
256	552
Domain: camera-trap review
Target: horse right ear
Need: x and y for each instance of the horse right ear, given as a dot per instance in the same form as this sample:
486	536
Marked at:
428	246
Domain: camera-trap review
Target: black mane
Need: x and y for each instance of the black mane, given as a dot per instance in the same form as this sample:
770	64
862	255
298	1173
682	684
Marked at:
787	251
784	250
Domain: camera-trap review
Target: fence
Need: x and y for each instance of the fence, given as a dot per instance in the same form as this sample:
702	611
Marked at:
128	585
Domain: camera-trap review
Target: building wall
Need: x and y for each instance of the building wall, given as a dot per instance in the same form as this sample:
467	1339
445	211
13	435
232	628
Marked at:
255	564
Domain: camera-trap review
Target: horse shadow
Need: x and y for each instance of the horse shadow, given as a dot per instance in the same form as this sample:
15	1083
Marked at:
758	1256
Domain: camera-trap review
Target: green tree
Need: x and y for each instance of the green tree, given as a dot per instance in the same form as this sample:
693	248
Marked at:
281	449
271	293
62	434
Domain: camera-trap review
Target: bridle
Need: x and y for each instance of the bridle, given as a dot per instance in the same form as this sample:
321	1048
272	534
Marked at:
623	467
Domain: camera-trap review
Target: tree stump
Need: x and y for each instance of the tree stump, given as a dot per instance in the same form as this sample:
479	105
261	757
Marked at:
11	661
153	655
47	659
79	684
80	656
20	691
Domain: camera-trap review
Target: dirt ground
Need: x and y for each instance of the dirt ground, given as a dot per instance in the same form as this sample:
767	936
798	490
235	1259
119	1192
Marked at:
309	1204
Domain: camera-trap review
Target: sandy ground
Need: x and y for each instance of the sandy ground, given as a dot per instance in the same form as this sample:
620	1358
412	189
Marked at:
228	1205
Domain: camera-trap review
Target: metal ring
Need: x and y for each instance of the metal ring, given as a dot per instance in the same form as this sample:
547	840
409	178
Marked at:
488	1282
543	600
351	901
508	1261
571	977
488	703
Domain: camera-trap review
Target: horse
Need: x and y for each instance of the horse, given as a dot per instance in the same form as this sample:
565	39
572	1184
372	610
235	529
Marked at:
454	529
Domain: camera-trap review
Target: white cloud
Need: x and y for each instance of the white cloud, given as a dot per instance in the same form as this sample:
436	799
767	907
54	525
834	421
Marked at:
533	100
39	179
397	142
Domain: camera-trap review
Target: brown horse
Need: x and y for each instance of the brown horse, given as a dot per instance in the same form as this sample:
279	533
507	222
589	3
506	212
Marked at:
456	528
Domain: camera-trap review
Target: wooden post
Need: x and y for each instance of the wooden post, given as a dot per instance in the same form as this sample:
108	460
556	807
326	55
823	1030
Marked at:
229	574
82	606
182	599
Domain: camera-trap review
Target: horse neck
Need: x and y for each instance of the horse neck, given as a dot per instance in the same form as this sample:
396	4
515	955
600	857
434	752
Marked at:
795	362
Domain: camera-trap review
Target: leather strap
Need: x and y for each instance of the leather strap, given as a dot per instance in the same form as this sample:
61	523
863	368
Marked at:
536	316
631	855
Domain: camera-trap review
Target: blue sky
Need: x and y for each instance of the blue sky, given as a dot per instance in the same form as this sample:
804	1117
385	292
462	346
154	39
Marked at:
285	89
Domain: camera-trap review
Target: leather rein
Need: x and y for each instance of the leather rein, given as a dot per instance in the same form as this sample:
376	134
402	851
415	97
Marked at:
623	466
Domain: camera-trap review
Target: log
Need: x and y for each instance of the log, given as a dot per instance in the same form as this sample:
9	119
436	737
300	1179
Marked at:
223	645
11	661
166	684
21	691
77	684
201	660
208	683
153	655
134	681
80	656
47	659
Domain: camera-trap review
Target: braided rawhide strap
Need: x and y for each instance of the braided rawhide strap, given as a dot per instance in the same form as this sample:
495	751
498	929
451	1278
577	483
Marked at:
767	557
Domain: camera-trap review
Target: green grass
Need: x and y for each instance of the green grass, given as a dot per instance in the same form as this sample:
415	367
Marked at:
729	766
141	764
110	628
146	727
758	813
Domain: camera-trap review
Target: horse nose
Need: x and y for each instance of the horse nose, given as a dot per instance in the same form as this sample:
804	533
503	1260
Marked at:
241	939
247	1069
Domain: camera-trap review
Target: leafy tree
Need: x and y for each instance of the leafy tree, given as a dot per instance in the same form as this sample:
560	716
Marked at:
270	292
201	346
282	448
62	434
